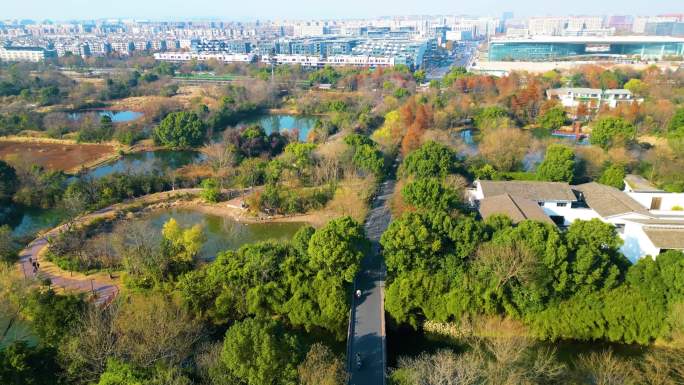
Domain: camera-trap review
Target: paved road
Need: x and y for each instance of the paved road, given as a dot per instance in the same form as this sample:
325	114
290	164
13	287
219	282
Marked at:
368	315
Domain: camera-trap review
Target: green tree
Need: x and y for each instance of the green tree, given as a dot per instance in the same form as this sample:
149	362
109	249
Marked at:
365	153
337	248
260	352
596	262
9	183
419	76
553	119
369	159
121	373
21	364
416	294
613	175
182	245
430	240
636	86
301	153
8	247
454	74
53	314
180	130
210	190
677	120
430	194
610	131
486	116
675	134
430	160
558	164
621	315
660	278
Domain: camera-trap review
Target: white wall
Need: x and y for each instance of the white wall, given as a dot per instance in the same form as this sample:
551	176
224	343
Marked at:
637	245
570	214
668	200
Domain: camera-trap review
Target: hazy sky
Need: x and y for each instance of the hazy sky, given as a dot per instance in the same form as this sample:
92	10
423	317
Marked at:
309	9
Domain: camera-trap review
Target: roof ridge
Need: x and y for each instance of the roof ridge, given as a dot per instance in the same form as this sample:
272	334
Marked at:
517	206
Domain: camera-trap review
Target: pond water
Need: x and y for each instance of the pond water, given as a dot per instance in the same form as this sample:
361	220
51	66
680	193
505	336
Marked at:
222	233
116	116
572	139
19	330
31	220
470	147
281	123
147	162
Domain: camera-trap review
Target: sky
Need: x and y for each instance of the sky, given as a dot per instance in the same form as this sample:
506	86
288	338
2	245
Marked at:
318	9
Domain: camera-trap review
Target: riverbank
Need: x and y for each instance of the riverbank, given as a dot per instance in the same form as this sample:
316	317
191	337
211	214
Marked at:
232	210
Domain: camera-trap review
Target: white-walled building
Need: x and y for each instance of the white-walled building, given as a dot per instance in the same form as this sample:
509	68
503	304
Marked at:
29	54
593	98
648	220
187	56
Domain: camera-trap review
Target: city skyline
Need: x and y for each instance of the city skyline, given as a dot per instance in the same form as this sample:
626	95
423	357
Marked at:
39	10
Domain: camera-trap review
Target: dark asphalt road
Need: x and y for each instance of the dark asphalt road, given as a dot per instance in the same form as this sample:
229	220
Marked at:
368	316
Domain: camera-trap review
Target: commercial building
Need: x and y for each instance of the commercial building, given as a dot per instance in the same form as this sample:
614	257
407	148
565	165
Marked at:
648	220
668	28
546	48
640	22
29	54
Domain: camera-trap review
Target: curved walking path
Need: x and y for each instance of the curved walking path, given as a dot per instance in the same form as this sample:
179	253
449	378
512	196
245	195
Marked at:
100	285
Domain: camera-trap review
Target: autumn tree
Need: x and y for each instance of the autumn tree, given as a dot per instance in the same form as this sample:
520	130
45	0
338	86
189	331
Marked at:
505	148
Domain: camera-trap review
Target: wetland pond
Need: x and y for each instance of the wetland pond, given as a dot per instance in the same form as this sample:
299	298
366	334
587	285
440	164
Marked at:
222	233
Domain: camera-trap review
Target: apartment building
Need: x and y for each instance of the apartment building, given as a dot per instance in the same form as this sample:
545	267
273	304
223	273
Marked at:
123	47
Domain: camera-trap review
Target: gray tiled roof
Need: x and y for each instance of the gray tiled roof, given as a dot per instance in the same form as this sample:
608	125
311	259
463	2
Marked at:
533	190
666	238
640	184
516	208
608	201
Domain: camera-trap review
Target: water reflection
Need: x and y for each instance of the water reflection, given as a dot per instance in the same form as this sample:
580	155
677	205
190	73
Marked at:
223	233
